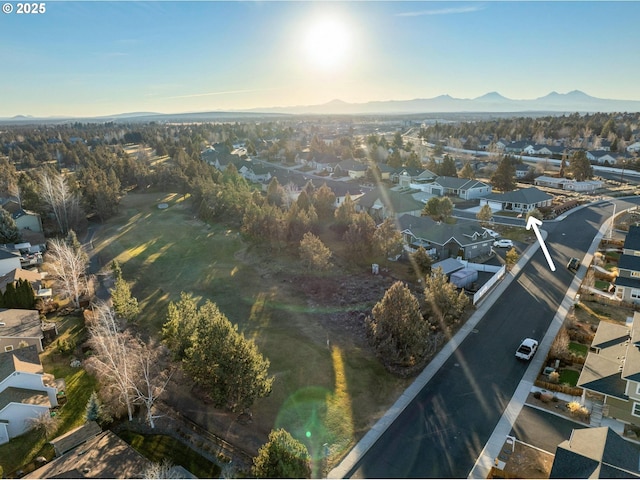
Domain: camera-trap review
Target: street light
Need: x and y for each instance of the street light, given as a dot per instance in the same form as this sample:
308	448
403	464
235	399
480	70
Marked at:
624	162
613	219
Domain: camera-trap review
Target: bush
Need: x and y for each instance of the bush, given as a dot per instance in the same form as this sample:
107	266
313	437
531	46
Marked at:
554	377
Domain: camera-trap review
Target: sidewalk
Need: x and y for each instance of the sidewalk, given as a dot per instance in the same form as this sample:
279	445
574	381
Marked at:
493	446
372	436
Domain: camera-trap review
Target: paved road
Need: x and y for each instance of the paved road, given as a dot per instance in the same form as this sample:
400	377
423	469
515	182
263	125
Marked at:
442	432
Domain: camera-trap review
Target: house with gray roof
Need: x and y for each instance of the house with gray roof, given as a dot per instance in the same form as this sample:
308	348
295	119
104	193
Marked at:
612	370
457	187
9	260
351	168
381	203
596	453
627	283
25	391
523	200
464	239
18	326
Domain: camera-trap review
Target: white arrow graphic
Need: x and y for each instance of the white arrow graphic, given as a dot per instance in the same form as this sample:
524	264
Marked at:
533	222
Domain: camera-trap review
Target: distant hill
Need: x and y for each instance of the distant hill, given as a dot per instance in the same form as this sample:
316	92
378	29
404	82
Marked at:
492	102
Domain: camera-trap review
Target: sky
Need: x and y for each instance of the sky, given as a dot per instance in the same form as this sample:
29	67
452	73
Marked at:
86	58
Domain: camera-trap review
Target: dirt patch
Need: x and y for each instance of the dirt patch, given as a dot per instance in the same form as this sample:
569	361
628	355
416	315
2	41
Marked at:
523	461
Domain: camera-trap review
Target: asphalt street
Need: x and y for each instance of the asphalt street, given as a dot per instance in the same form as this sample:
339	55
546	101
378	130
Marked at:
443	431
542	429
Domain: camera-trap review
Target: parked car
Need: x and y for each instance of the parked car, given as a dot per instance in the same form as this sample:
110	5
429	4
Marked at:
503	243
527	349
573	264
492	233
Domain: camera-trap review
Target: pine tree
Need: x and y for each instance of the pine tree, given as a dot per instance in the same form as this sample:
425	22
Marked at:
10	296
9	232
282	457
124	304
503	178
92	410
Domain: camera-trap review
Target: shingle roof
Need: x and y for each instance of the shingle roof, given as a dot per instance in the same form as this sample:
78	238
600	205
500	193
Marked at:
464	233
75	437
20	323
459	183
527	196
596	453
20	274
396	201
627	282
602	371
632	240
20	360
23	395
5	254
629	262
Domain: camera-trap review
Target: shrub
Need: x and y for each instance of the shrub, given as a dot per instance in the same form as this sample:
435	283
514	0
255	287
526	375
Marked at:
537	394
554	377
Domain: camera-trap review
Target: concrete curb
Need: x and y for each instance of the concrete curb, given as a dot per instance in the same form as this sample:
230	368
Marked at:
372	436
493	446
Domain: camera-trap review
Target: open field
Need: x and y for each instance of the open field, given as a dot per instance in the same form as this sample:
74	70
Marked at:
329	388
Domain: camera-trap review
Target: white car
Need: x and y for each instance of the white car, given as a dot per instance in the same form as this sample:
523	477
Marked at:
492	233
503	243
527	349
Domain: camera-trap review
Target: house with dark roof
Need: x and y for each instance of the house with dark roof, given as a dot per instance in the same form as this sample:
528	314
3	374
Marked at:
464	239
523	200
522	170
33	277
75	437
458	187
25	391
612	371
351	168
601	157
405	176
596	453
627	284
381	203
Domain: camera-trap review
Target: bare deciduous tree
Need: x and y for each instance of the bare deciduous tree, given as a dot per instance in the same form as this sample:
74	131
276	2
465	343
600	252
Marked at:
65	204
113	359
68	265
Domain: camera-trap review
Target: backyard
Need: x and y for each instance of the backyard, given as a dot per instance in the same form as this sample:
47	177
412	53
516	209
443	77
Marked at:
308	325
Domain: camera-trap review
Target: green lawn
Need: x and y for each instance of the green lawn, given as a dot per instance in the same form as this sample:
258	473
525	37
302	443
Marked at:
578	348
602	285
21	450
158	447
164	252
569	377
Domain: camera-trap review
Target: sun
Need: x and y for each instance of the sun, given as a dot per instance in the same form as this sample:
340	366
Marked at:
327	44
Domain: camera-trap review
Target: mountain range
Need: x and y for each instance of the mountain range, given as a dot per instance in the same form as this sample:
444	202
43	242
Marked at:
493	102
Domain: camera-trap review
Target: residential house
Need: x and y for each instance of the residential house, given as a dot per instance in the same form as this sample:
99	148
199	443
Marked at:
25	391
103	456
596	453
351	168
381	203
405	176
601	157
385	171
611	372
464	239
9	260
522	170
588	186
255	172
20	326
75	437
25	220
33	277
627	284
324	162
517	147
459	187
342	189
634	147
523	200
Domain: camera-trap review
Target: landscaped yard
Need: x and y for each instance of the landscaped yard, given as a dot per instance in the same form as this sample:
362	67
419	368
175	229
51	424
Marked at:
79	386
165	251
568	377
158	447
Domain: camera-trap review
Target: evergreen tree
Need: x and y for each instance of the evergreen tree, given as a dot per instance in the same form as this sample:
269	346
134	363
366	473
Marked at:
180	326
24	294
448	167
124	304
93	409
421	263
485	214
446	304
10	296
396	328
282	457
503	178
467	172
580	167
9	232
387	239
344	213
323	200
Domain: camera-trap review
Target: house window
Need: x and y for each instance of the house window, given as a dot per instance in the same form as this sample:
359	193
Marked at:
636	409
8	348
638	389
635	274
635	294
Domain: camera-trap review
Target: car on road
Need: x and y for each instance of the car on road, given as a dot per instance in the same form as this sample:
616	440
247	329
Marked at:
503	243
573	264
527	349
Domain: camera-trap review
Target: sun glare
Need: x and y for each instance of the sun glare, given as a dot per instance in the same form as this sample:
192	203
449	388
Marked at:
327	44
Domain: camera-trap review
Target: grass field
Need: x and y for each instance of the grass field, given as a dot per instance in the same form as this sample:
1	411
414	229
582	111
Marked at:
158	447
337	391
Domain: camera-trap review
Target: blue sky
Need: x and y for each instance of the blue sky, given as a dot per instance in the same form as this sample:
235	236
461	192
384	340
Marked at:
99	58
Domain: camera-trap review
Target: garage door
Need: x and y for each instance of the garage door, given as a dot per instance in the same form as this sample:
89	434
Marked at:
494	206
